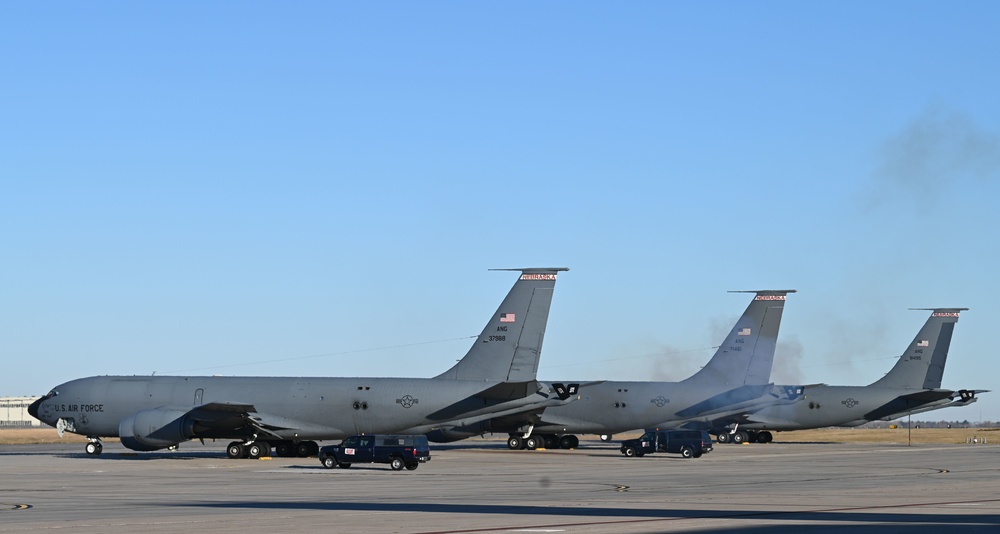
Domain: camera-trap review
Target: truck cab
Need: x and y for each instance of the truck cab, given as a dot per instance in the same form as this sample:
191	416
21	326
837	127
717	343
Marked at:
397	450
687	443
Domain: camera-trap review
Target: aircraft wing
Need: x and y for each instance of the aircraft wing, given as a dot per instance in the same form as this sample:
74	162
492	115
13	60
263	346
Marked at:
742	400
224	417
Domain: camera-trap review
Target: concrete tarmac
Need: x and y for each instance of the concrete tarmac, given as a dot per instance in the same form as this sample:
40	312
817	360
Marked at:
480	486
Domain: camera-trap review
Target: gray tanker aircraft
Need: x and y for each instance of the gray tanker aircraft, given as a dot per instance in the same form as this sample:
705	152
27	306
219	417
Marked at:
735	380
495	378
913	385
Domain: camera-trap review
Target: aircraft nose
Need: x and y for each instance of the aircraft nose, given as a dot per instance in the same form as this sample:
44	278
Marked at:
33	408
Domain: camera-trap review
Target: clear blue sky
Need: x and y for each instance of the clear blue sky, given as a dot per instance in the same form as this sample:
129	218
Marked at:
290	188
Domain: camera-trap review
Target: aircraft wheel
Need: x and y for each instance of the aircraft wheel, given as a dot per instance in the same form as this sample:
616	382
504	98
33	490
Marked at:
411	467
515	443
93	448
606	437
739	437
397	463
302	449
629	451
235	450
687	452
765	437
329	462
531	443
313	448
569	442
724	437
254	451
283	449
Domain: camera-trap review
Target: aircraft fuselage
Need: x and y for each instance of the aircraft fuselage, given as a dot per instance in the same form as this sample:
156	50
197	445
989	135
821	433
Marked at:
291	408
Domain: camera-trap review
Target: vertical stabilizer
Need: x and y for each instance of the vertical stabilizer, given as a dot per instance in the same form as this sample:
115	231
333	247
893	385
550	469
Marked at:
510	345
746	356
922	364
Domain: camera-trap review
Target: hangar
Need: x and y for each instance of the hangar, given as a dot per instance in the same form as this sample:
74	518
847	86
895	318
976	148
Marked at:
14	412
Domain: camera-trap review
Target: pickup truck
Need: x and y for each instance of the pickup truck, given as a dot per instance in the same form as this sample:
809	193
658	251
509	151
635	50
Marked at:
397	450
689	443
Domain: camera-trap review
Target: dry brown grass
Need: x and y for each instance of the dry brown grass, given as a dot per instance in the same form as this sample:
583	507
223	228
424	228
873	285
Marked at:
28	436
887	435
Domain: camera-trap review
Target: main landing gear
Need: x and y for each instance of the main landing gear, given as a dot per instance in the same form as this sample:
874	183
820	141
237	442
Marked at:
282	448
539	441
745	436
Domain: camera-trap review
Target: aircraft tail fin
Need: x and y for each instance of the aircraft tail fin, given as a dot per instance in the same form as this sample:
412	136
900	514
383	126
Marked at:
747	354
509	347
922	364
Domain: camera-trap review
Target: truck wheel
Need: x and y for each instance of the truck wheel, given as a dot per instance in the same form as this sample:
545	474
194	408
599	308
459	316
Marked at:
687	452
629	451
411	467
329	462
397	463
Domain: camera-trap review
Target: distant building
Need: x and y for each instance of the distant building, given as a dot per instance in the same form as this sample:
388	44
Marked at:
14	412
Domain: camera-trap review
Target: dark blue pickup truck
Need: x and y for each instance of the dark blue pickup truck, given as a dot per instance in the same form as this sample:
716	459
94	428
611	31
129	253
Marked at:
689	443
397	450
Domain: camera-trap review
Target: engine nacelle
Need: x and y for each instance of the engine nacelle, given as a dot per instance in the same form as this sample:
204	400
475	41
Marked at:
155	429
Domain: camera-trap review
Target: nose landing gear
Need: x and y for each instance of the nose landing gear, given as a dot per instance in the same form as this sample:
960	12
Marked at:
94	446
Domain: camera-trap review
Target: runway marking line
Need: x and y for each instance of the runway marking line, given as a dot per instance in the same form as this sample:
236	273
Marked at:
756	515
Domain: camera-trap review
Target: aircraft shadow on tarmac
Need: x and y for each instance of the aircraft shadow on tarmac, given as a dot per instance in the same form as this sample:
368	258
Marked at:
856	520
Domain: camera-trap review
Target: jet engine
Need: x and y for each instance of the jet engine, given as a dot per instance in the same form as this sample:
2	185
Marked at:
155	429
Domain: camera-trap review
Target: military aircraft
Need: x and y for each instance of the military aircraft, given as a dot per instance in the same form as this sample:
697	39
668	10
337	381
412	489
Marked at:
913	385
495	378
736	379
